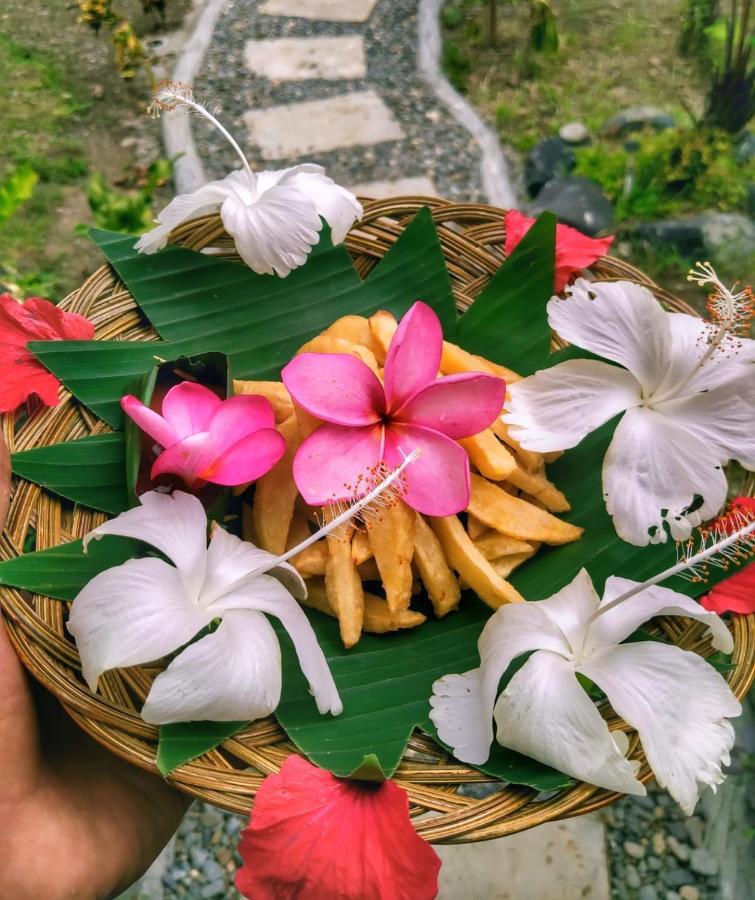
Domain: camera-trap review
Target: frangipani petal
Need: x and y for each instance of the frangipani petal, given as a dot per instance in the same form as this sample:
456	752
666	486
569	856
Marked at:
267	595
678	704
187	458
438	483
620	321
457	405
462	705
238	417
149	421
180	209
654	465
413	357
544	713
555	408
189	408
175	524
133	614
336	462
247	460
230	675
617	624
335	387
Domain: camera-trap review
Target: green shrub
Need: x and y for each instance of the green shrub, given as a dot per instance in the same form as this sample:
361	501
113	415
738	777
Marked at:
129	211
456	64
676	171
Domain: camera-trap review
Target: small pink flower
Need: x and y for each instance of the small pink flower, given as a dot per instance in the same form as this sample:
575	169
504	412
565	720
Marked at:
368	424
205	438
574	250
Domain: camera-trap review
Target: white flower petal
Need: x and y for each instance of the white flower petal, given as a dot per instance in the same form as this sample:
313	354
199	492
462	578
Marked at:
231	675
653	465
229	558
544	713
175	524
615	625
276	232
268	595
339	207
132	614
204	200
556	408
620	321
571	608
678	704
462	705
722	418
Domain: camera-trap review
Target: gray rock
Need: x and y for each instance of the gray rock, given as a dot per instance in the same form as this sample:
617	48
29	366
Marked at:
659	843
696	830
677	877
214	889
211	818
655	863
632	877
574	133
550	158
680	850
633	849
198	855
683	235
689	892
703	861
576	201
678	830
212	871
745	147
730	239
635	118
672	895
647	892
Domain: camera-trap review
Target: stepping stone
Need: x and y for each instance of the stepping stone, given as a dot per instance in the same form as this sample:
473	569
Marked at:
412	186
327	10
315	126
297	59
556	861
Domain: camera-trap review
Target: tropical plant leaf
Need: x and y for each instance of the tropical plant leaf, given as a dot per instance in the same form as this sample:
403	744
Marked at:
198	304
61	572
184	741
507	322
89	471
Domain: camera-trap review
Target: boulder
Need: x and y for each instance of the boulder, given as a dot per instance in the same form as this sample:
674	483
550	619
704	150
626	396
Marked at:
576	201
635	118
574	133
550	158
745	147
726	239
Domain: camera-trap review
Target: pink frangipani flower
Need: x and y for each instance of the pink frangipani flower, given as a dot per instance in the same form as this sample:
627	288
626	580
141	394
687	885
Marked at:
369	424
205	438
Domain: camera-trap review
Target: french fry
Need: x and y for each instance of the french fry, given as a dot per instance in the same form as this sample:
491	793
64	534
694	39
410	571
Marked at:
488	455
471	564
383	326
361	550
440	582
392	541
299	529
368	570
327	343
378	619
274	391
475	528
530	460
505	565
493	544
536	484
344	587
356	330
275	495
515	517
455	361
312	560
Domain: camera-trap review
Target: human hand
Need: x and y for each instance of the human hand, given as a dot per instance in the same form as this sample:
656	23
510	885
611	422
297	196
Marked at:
76	822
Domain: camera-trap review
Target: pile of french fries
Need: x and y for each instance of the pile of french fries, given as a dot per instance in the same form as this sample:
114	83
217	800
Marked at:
367	576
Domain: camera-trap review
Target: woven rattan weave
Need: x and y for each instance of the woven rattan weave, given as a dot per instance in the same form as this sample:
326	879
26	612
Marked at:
472	238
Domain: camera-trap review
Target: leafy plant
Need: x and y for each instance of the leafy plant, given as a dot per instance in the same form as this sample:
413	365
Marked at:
16	189
698	16
456	64
731	97
130	52
128	211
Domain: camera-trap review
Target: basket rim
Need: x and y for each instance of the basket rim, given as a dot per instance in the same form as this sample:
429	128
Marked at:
38	634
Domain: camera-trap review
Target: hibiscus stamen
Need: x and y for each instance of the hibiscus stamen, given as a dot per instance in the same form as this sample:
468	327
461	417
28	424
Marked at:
728	308
735	519
170	95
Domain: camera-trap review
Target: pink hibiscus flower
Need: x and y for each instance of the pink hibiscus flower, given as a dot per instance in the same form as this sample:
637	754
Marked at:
574	250
227	442
21	373
369	424
317	836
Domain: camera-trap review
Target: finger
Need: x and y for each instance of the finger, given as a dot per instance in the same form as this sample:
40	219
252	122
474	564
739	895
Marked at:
19	739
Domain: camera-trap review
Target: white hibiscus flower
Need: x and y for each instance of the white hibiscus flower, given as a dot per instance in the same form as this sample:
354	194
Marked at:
687	391
274	217
676	701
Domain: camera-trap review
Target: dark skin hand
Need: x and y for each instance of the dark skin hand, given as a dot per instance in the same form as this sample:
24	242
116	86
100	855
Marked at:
76	822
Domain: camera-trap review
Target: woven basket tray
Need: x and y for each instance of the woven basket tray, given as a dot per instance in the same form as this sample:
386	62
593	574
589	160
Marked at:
472	239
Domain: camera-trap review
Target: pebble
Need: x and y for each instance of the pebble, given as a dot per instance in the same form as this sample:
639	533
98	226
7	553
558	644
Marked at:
695	829
703	862
633	849
680	851
659	843
647	892
689	892
677	877
655	863
632	876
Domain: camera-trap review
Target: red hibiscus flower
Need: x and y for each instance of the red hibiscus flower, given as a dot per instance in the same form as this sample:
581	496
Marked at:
21	374
737	593
574	250
325	838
